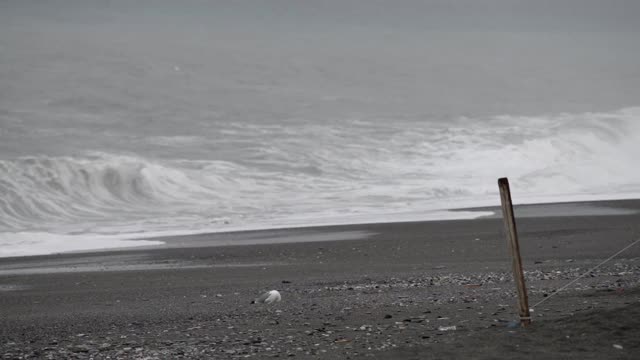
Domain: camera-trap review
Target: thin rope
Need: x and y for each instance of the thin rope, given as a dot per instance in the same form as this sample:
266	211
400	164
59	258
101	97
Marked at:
586	273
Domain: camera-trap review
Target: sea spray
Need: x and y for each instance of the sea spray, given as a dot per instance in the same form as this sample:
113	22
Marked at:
302	173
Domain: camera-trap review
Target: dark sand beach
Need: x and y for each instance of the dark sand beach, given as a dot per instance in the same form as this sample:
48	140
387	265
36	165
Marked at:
420	290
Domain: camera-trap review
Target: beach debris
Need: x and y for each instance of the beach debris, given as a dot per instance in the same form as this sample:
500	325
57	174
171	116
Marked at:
447	328
618	346
269	297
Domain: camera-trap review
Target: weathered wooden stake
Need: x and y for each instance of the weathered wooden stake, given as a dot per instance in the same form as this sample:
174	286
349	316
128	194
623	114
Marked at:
512	237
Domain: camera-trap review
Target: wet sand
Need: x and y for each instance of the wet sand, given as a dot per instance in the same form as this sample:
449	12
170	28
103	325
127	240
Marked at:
379	290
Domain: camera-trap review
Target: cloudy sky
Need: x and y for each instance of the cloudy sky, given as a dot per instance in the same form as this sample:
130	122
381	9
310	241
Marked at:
458	58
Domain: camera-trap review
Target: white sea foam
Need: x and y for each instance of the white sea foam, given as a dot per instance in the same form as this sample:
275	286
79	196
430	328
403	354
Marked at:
35	243
302	173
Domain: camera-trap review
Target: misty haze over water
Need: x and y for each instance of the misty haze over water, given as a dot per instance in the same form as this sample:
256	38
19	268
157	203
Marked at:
146	117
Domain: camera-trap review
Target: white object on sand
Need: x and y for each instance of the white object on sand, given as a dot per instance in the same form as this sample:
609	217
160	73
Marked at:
268	298
447	328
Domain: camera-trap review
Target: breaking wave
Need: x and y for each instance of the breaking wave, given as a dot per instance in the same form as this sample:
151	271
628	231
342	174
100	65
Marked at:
100	188
304	173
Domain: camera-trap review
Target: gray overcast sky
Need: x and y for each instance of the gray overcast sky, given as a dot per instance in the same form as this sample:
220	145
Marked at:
456	15
448	57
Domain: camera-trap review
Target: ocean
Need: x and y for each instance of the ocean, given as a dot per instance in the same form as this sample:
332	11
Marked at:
123	120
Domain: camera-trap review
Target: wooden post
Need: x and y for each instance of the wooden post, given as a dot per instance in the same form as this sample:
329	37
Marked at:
514	247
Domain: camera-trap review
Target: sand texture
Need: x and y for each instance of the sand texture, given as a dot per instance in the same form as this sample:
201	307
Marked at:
423	290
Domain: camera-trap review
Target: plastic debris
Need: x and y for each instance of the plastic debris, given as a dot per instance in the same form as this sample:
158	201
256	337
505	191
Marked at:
268	298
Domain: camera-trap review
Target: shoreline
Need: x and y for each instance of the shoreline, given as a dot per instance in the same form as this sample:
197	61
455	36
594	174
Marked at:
388	295
332	231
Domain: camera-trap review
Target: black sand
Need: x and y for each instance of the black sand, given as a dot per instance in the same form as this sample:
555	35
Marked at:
389	291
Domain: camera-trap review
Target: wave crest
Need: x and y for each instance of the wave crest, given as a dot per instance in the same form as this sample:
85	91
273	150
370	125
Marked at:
319	171
90	188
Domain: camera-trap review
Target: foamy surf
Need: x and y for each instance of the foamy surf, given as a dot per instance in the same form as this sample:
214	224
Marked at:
304	174
39	243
